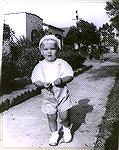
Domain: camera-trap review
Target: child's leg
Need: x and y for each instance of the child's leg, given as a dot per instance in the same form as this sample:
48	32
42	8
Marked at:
52	120
64	116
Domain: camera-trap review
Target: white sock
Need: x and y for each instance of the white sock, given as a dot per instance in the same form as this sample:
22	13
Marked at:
66	128
54	133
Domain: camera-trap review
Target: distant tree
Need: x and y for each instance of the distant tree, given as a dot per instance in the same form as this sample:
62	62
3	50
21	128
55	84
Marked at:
72	36
85	34
89	33
112	8
108	35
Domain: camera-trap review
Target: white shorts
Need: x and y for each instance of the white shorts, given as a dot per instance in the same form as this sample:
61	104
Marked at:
58	100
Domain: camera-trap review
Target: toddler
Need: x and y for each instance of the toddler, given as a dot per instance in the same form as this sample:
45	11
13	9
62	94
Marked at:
51	75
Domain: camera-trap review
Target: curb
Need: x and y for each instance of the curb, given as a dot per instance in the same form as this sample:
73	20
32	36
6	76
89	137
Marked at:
16	97
81	70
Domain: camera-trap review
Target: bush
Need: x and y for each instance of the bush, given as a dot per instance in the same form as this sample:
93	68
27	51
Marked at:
30	56
8	71
23	58
84	51
95	53
72	57
27	59
18	63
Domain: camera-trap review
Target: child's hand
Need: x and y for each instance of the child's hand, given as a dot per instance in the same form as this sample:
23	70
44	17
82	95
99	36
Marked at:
58	82
61	82
48	86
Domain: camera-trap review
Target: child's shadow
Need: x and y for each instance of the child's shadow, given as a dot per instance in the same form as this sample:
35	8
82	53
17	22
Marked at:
78	114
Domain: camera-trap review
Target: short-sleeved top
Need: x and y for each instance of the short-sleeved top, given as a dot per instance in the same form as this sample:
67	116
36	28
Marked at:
50	71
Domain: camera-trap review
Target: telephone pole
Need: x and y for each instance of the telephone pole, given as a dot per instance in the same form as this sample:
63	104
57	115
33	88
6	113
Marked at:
76	18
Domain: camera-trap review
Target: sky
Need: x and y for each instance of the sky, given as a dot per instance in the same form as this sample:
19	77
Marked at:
60	13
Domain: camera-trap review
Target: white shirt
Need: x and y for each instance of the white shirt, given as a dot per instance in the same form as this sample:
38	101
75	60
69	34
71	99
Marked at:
50	71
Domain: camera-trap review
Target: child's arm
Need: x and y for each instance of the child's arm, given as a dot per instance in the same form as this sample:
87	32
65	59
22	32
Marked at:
63	81
39	84
42	85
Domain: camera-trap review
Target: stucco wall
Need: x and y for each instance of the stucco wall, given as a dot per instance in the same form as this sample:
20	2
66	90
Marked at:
17	22
32	22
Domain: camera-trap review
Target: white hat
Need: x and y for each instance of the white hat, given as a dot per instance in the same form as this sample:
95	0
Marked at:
50	37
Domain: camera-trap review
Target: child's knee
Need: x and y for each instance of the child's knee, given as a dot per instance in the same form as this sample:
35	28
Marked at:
52	117
64	116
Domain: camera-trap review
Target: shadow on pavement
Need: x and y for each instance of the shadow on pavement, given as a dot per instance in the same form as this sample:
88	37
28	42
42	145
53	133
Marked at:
78	114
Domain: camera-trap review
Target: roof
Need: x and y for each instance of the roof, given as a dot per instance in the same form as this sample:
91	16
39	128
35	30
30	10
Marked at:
24	12
53	27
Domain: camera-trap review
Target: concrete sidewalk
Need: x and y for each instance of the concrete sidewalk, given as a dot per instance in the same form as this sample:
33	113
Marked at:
24	126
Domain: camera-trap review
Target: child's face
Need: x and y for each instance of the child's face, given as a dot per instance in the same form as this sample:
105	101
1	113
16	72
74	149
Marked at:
49	50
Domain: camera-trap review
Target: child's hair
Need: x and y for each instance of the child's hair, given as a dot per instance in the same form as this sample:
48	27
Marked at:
50	37
56	44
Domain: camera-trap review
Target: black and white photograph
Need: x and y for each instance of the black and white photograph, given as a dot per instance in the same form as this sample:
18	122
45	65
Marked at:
59	74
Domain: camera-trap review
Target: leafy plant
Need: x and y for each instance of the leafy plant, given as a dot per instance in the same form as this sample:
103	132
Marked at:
112	9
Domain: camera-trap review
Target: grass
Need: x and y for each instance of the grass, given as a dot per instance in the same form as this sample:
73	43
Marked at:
108	130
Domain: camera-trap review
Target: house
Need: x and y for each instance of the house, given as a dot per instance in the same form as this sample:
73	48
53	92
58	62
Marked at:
23	24
28	25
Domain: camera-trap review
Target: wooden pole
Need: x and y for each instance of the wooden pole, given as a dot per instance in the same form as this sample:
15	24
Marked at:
76	17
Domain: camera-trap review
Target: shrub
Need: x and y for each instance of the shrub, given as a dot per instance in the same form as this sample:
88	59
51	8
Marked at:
8	71
18	63
72	57
24	56
95	53
83	51
27	59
